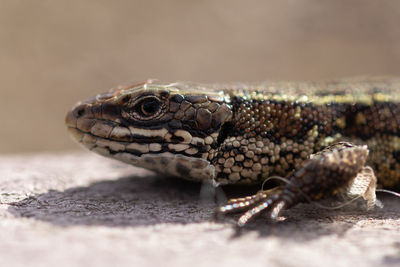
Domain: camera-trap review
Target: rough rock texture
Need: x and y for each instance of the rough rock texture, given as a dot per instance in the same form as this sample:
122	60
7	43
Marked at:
79	209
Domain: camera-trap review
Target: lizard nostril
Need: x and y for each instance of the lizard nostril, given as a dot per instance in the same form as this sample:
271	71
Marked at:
80	111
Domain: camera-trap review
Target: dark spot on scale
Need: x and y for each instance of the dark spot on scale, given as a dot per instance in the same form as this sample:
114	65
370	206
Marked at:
164	94
177	98
164	161
175	124
193	124
182	169
177	139
186	127
149	160
226	129
201	148
125	99
137	138
134	152
96	110
110	111
396	155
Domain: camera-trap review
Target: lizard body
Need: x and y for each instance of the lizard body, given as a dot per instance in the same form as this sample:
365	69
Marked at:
321	136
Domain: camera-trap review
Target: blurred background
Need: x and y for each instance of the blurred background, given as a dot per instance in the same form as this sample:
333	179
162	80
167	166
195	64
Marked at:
55	53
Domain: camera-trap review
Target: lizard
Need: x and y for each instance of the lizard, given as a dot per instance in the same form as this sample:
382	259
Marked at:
323	138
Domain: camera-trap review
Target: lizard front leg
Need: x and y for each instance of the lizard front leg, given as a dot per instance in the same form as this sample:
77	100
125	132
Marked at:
324	174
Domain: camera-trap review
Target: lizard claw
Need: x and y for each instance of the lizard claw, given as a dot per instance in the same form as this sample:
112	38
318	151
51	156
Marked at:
276	207
253	205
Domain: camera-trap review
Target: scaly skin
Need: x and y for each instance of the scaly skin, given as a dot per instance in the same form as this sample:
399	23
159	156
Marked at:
323	137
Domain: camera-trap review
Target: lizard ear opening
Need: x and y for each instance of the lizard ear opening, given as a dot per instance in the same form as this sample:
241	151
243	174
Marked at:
226	130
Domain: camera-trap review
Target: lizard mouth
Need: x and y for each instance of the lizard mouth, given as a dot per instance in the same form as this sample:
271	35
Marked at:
153	156
176	156
138	145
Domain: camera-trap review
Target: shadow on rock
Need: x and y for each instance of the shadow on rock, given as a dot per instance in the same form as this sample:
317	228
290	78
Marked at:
306	221
137	201
128	201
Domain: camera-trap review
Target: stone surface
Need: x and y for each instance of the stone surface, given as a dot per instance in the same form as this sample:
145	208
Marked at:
77	209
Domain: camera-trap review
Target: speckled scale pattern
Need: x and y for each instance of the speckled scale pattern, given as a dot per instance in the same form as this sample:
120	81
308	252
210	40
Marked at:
279	135
271	138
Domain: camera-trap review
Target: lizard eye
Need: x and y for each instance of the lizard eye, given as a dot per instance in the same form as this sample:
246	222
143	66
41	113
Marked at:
148	107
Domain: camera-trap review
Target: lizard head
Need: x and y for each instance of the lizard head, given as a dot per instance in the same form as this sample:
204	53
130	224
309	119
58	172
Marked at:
173	128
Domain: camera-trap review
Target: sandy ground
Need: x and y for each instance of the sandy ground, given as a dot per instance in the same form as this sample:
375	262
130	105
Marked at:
78	209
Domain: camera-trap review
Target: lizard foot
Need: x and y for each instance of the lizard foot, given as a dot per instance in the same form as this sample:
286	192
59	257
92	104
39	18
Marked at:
337	168
273	199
